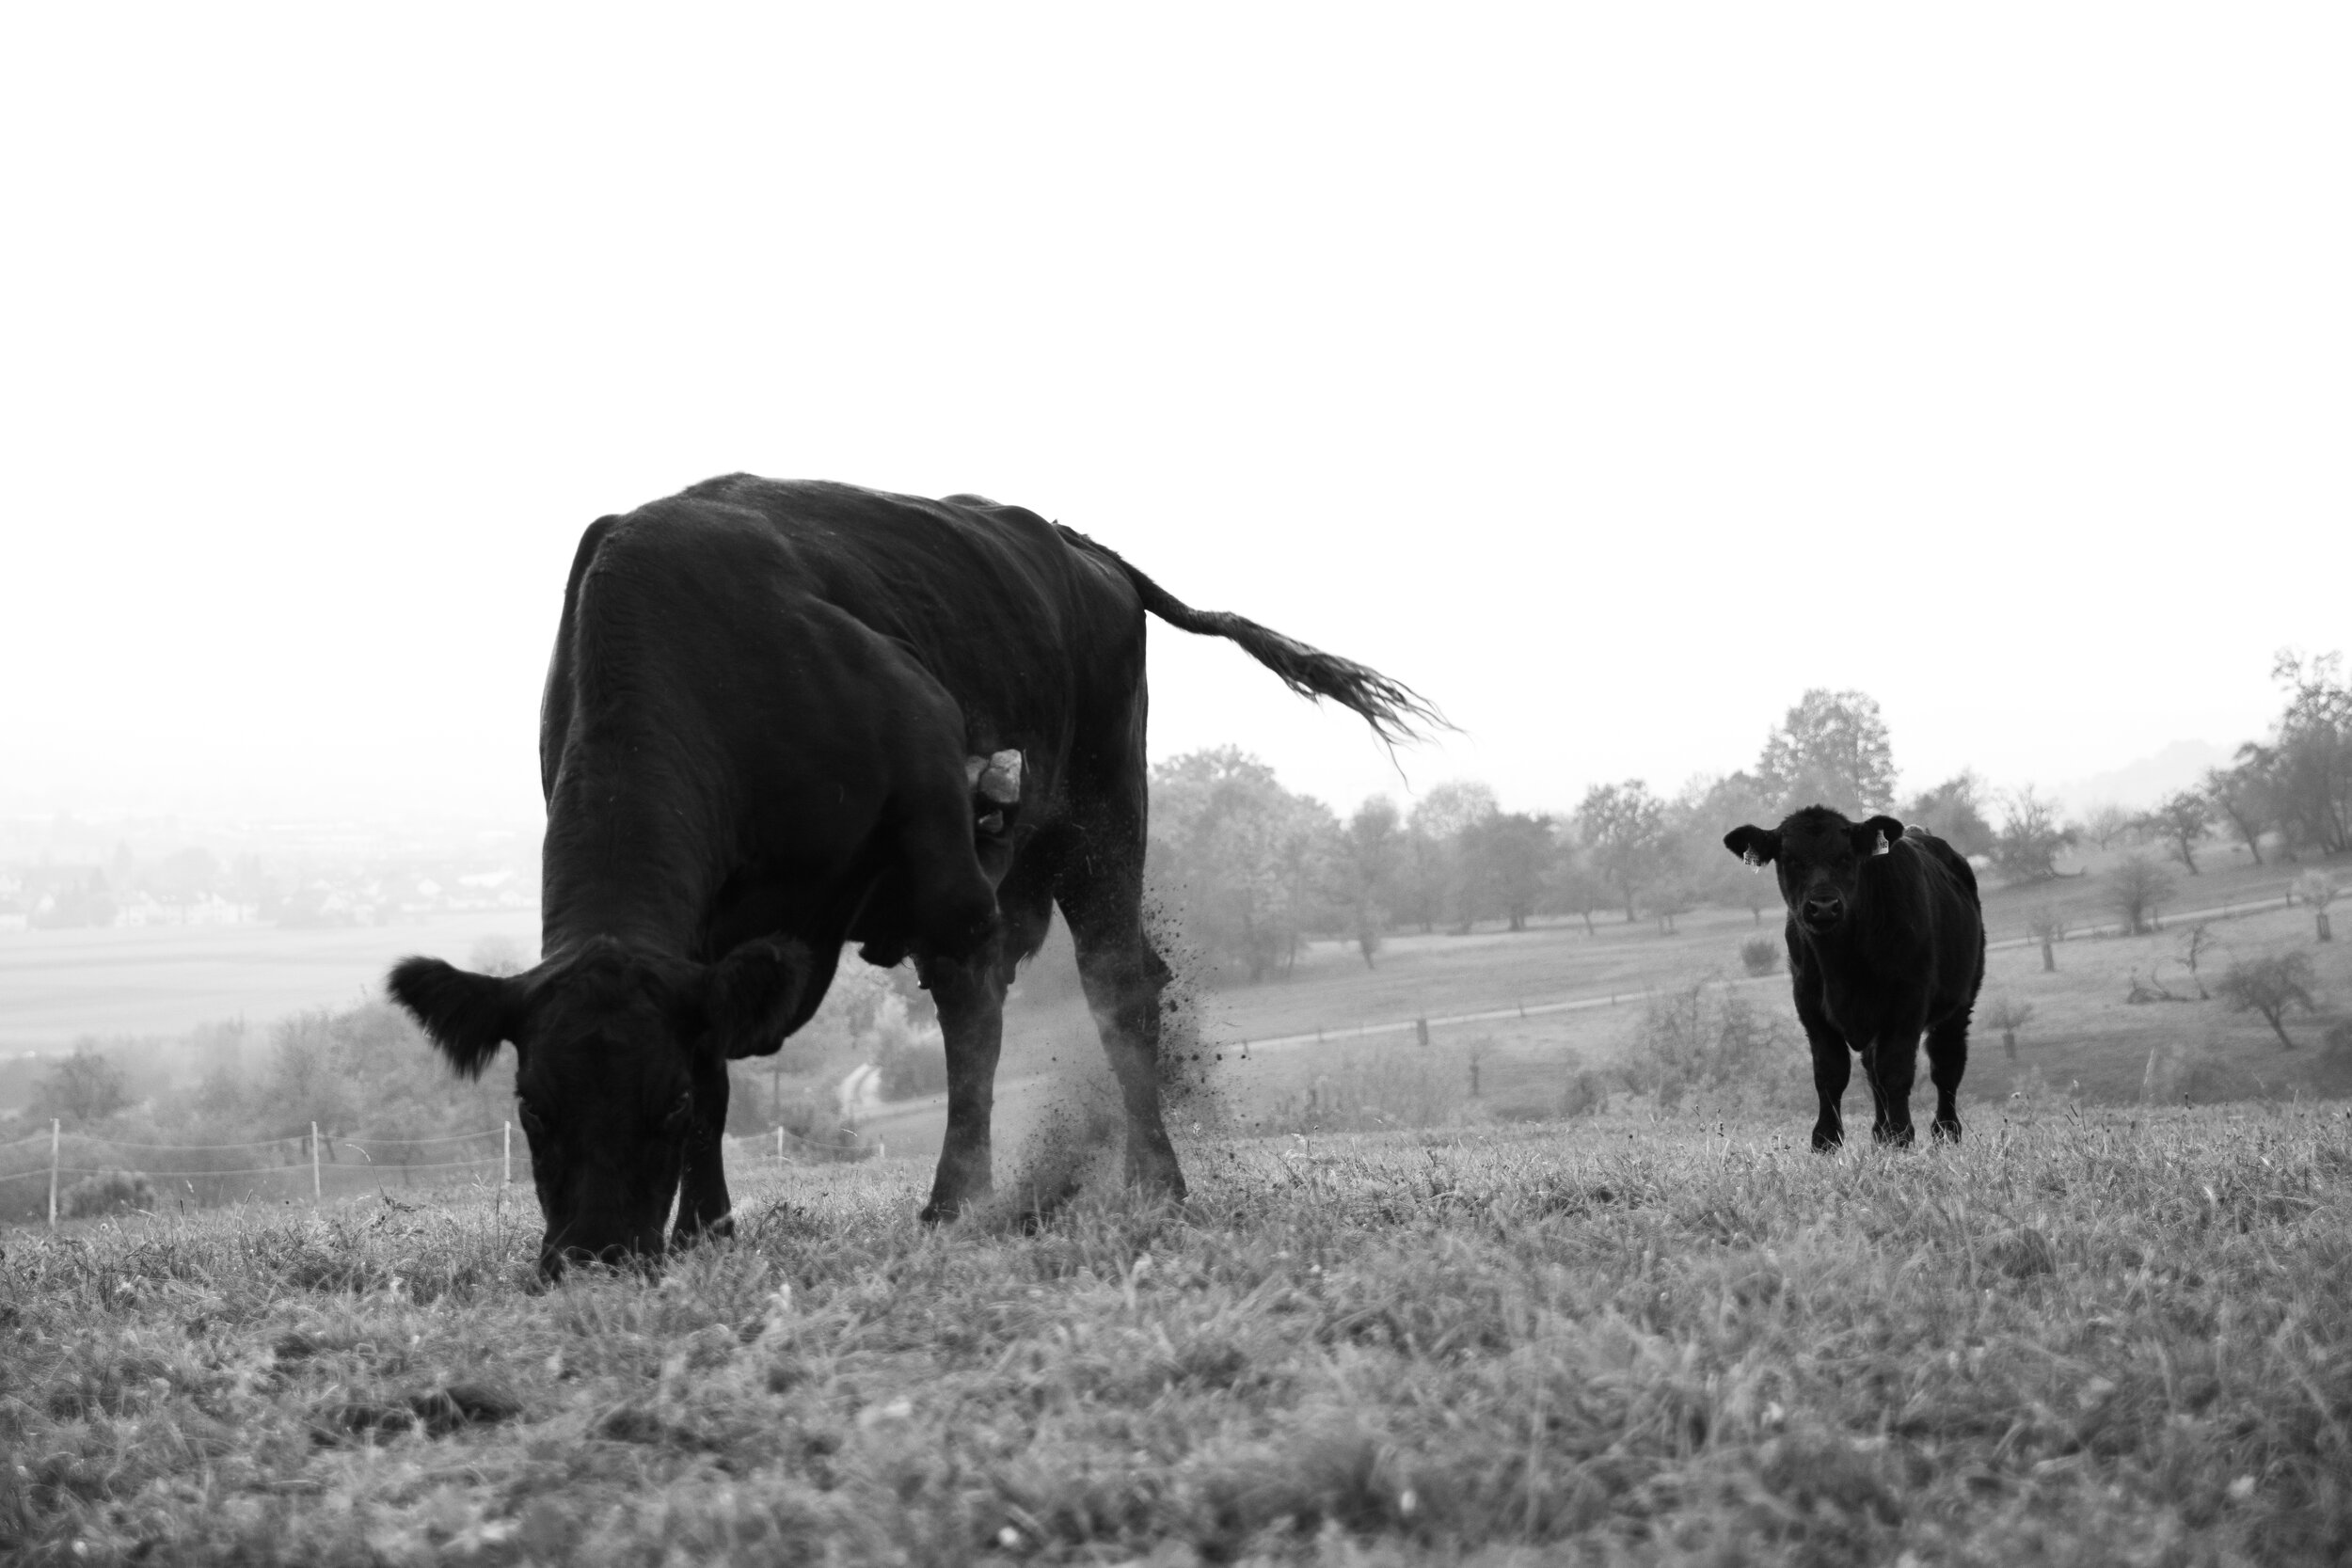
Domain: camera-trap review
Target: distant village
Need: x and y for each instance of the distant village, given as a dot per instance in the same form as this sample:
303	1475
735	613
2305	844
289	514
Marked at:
73	872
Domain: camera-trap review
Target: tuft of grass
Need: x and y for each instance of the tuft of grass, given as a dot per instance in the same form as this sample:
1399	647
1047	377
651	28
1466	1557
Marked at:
2092	1339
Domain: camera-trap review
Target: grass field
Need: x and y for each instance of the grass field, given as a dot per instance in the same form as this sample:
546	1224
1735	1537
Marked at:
2094	1338
56	986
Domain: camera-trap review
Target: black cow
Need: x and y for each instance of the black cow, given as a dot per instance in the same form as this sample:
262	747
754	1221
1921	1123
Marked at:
1886	940
784	716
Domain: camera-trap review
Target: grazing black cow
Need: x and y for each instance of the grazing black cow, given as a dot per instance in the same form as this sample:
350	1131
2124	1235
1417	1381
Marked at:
784	716
1886	940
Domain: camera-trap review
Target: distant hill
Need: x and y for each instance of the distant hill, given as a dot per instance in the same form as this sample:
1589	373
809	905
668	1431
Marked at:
2149	780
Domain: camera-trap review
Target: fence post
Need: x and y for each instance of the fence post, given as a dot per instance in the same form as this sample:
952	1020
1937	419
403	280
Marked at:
315	1193
1421	1030
53	1173
507	1178
779	1143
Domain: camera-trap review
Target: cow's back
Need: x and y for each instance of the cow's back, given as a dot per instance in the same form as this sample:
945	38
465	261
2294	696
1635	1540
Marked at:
1019	627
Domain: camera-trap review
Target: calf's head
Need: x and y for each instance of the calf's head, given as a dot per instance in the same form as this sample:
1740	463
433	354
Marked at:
1819	855
621	1060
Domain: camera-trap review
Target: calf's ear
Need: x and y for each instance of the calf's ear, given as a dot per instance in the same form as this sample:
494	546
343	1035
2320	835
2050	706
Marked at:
1753	845
1878	834
751	996
466	1015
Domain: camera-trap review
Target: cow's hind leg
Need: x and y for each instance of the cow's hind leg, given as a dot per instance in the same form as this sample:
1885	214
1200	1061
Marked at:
1102	897
1948	1059
971	1004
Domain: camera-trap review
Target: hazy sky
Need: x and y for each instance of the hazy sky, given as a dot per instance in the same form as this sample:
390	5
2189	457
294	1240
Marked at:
1612	375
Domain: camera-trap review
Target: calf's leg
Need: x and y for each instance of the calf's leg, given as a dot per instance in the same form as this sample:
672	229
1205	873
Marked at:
1893	1062
1948	1058
1833	1063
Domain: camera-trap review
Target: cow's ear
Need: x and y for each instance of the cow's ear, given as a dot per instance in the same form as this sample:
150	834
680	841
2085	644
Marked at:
466	1015
1753	845
750	996
1877	834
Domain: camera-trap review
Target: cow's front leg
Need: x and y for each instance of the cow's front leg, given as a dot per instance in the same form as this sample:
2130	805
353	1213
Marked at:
971	1004
703	1209
1833	1064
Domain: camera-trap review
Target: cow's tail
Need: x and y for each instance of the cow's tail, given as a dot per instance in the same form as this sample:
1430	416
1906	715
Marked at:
1395	711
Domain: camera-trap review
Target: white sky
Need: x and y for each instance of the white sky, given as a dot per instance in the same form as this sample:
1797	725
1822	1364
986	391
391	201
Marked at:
1612	375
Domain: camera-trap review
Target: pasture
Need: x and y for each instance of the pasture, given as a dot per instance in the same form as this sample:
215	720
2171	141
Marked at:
2086	1338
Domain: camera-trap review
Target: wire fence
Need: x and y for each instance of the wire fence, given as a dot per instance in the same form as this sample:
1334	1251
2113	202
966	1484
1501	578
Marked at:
79	1175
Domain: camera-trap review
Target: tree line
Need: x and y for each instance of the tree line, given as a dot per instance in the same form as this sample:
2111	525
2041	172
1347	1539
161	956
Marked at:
1250	871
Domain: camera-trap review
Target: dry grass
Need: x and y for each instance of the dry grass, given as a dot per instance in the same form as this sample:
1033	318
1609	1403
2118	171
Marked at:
2105	1340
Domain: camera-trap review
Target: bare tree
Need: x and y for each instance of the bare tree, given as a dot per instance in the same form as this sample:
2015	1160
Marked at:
2195	943
81	1090
2048	928
2138	886
2180	819
2106	822
2008	1014
2270	985
2026	847
2318	890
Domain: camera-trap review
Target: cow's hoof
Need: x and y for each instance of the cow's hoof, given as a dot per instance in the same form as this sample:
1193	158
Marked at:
1155	1171
1946	1132
1892	1137
720	1229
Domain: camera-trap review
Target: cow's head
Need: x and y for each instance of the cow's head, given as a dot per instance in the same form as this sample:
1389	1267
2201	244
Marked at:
620	1058
1819	855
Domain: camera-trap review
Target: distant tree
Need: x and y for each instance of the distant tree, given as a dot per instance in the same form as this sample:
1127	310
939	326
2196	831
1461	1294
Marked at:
1832	749
2240	796
2046	926
1706	812
1759	955
2317	890
1507	856
1625	829
2138	887
1576	887
2309	762
1420	891
1246	852
2270	985
2105	823
2180	820
1953	811
1368	866
2008	1014
82	1089
2026	847
1444	818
